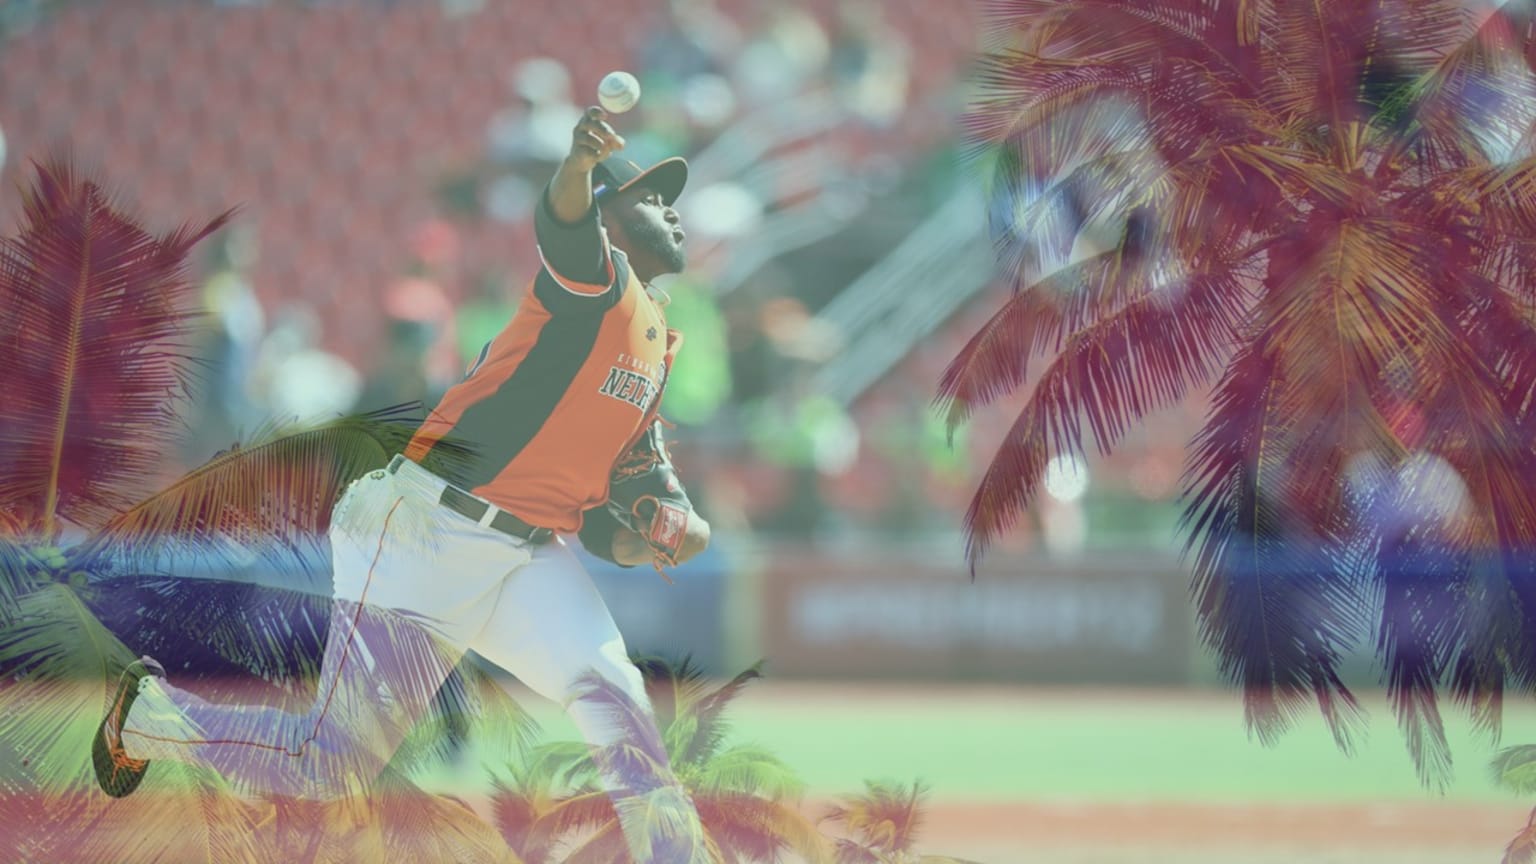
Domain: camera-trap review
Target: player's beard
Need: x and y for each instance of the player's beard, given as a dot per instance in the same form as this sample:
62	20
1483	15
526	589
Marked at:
656	240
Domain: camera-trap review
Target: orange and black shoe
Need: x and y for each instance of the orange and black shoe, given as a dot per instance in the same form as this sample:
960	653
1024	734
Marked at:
116	772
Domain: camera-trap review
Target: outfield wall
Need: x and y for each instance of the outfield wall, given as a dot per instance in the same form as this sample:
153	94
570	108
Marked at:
1089	620
862	613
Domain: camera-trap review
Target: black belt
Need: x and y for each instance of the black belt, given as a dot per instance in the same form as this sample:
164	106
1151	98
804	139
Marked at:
473	508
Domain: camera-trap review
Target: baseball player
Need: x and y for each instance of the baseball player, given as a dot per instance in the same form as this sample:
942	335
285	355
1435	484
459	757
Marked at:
458	544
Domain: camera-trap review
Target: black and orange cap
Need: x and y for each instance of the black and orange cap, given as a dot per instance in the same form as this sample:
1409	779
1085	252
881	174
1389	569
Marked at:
614	175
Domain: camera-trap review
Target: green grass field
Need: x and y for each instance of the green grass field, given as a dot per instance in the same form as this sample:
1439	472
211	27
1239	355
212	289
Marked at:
1092	745
1068	776
1061	776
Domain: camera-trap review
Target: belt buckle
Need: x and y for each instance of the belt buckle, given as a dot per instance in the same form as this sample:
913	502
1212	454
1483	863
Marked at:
540	536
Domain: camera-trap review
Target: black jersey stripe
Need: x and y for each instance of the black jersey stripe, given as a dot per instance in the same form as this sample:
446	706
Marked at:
561	301
497	428
485	351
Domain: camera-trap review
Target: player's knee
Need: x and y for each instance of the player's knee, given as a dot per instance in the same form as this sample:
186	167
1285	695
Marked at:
623	675
610	679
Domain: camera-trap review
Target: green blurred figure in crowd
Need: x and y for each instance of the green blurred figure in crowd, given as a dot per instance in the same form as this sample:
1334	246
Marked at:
700	381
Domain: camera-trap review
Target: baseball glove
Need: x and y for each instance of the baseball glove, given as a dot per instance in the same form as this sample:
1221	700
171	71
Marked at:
646	497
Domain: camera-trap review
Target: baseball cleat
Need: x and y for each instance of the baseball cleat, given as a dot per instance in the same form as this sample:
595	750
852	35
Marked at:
117	773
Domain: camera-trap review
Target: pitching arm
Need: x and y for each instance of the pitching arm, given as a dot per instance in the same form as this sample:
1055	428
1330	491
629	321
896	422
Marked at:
578	262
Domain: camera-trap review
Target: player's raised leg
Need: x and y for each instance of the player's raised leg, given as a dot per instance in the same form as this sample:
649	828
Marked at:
382	663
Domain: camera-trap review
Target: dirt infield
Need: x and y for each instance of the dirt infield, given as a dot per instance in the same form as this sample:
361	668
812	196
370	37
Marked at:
1040	833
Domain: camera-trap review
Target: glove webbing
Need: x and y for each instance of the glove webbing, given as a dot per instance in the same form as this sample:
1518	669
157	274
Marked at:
644	459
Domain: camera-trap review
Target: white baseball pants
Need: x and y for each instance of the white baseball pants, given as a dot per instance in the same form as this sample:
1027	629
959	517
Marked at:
416	585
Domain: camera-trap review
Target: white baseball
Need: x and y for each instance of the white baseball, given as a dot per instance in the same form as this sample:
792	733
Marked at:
618	92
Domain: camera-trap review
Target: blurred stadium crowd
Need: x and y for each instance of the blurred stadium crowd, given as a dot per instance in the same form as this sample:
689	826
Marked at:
387	154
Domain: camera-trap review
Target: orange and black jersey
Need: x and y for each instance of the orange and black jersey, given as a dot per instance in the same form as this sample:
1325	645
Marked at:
558	395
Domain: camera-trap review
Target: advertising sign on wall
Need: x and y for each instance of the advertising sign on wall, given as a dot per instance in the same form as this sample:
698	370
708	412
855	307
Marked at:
1088	620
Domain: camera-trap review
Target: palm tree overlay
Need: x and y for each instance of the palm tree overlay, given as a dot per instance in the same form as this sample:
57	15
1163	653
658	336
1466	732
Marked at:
551	806
94	347
1321	214
97	566
882	826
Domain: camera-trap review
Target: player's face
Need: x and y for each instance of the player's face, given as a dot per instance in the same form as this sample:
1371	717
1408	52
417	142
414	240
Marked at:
649	231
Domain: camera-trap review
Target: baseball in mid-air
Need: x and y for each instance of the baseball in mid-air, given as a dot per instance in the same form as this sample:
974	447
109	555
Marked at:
618	92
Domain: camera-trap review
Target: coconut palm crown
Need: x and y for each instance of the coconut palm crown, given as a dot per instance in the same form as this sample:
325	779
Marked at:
1320	215
558	808
95	342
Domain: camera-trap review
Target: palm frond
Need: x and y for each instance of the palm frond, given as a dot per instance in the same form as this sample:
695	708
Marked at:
572	816
557	767
20	574
24	837
756	829
1318	47
391	664
1170	138
1017	89
1473	56
885	819
230	637
1271	600
548	792
398	821
1514	768
741	794
419	826
747	770
1455	571
514	814
606	846
10	526
271	499
1376	161
57	664
467	696
1347	305
641	755
1522	849
672	687
1118	32
201	823
251	644
192	817
1415	610
995	362
847	851
708	715
299	829
662	824
93	337
1111	374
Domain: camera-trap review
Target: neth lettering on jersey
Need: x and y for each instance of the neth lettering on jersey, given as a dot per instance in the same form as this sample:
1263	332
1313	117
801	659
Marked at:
627	386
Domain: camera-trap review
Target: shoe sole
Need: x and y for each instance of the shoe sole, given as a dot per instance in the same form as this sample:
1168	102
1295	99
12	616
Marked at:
116	773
